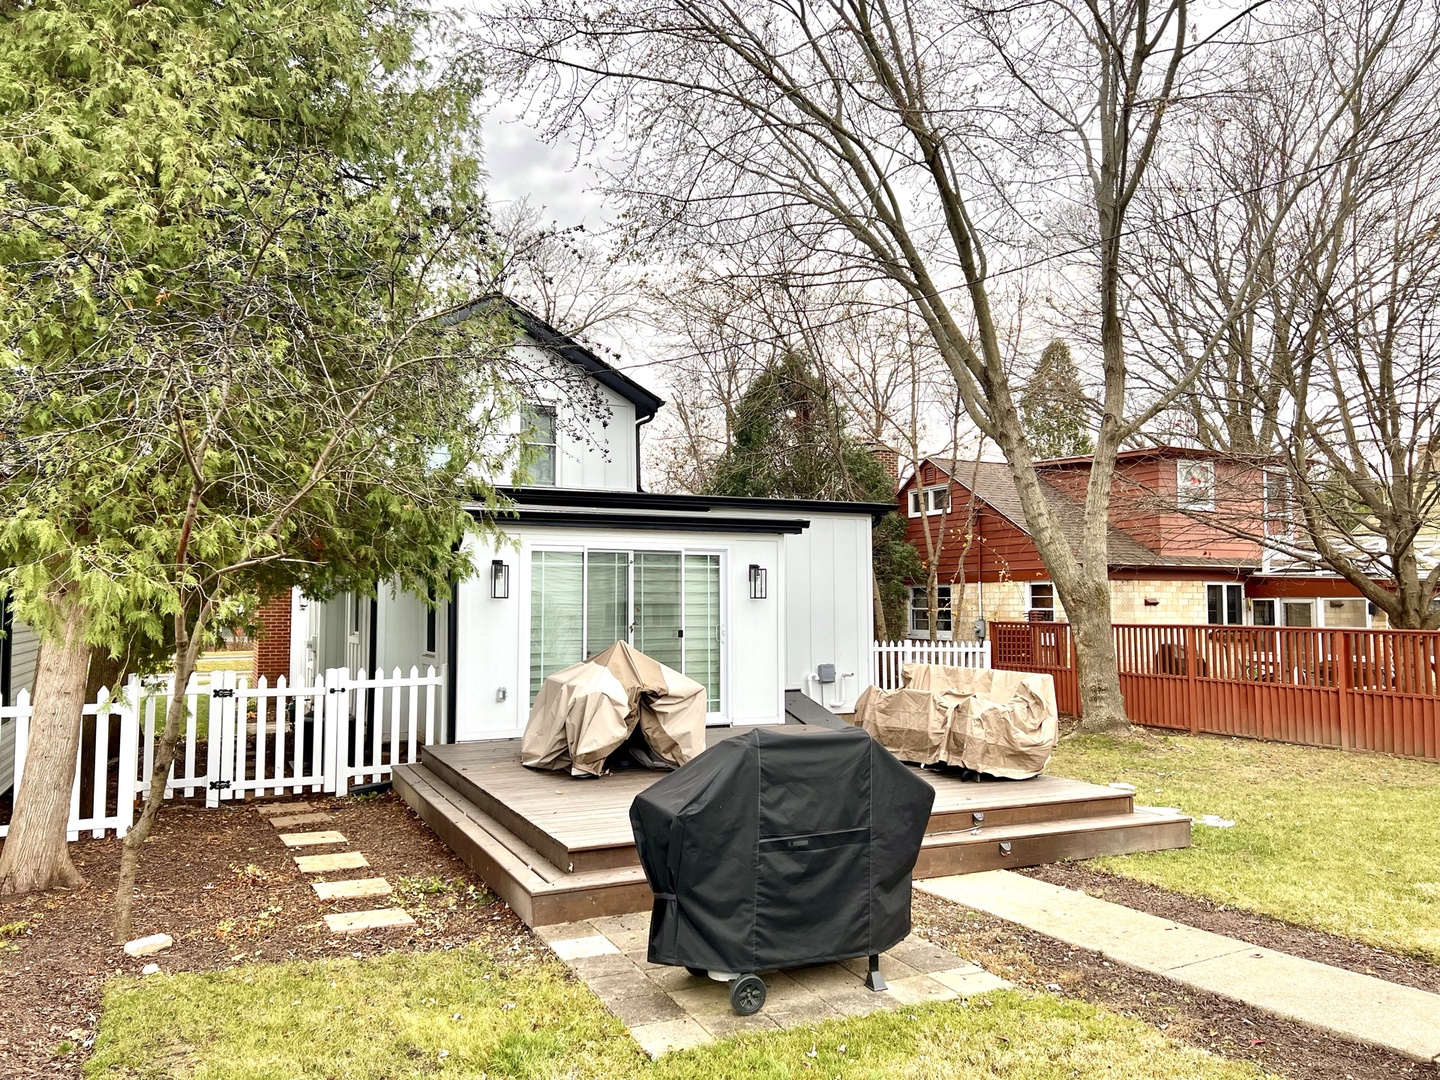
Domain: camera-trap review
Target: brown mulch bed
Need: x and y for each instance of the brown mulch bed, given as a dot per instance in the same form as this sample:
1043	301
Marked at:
223	886
1207	1021
1255	929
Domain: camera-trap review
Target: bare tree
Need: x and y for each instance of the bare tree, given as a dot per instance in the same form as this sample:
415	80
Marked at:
910	146
1328	381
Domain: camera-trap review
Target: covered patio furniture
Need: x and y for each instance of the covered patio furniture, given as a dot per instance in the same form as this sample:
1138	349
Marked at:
618	698
782	847
999	723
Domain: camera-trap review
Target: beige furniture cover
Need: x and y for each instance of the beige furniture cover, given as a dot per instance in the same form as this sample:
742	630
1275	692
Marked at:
1002	723
585	712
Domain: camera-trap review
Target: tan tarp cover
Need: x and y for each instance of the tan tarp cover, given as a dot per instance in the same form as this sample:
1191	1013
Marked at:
1002	723
585	712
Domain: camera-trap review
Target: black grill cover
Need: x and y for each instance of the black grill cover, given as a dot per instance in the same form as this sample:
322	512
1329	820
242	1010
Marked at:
781	847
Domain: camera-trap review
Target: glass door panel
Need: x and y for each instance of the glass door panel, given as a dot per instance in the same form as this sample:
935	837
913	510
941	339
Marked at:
607	599
702	625
556	613
656	632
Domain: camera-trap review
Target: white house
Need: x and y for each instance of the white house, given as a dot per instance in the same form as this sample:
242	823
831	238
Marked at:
751	597
19	649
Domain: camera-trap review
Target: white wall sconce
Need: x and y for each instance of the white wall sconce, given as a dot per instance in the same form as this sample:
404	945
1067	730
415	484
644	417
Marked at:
499	579
759	582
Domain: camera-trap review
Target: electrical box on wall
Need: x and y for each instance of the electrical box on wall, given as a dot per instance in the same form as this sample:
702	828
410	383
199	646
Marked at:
825	673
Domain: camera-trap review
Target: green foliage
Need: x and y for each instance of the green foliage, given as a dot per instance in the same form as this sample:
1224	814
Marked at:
790	441
225	231
1052	406
458	1013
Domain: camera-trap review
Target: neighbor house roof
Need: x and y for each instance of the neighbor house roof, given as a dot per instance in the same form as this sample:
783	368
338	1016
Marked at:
542	333
993	483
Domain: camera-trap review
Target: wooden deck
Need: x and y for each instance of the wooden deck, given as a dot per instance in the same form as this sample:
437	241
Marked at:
559	848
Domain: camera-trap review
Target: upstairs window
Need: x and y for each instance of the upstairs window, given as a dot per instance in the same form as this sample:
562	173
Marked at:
539	436
1195	485
1279	514
936	500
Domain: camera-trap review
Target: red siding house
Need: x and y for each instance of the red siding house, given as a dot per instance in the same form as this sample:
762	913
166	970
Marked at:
1177	549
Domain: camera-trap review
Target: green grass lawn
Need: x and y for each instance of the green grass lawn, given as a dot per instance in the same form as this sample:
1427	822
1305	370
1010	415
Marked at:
1338	841
459	1014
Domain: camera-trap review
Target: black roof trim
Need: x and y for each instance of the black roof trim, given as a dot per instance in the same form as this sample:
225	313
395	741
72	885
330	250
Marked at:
645	500
695	523
646	404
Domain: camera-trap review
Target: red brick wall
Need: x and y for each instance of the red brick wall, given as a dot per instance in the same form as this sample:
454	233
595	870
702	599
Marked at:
272	651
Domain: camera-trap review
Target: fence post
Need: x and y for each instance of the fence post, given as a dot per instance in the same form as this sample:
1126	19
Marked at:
129	757
22	738
338	700
1343	679
1192	664
214	741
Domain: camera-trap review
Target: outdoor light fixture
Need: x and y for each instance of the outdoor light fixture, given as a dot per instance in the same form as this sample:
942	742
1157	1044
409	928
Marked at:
499	580
759	587
1151	601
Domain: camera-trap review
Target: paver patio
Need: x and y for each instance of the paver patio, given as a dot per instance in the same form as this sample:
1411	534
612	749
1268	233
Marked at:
667	1008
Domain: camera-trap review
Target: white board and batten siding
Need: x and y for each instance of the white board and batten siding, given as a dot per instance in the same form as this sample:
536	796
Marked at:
24	648
492	659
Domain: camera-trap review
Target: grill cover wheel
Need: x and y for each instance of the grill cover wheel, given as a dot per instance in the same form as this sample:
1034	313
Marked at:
747	995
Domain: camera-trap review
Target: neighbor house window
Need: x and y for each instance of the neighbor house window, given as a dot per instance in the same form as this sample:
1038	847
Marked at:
935	500
1279	514
920	612
1225	604
1042	600
1195	485
540	438
1262	612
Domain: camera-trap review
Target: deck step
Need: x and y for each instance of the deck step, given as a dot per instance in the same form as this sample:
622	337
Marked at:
1032	844
542	893
538	891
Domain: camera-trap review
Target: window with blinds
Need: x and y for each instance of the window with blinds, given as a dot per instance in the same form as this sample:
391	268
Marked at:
665	603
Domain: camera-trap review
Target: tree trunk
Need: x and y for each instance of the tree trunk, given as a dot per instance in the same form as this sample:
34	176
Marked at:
1102	708
882	630
36	854
186	655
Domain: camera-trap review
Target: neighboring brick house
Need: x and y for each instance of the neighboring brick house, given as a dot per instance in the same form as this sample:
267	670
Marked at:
1170	559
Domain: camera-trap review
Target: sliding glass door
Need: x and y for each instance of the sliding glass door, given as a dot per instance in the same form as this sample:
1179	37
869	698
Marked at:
665	603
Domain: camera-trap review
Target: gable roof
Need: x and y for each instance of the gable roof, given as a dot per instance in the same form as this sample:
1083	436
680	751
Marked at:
994	485
543	334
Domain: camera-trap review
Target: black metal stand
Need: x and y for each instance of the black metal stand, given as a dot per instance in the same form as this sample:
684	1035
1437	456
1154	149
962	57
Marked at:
874	980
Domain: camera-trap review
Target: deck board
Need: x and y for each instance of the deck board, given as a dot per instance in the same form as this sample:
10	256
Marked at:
578	815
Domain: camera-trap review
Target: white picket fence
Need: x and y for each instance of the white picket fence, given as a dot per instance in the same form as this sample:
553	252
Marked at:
888	658
240	739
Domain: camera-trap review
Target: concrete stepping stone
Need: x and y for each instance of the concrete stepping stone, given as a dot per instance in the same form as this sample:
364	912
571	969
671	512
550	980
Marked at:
356	922
283	807
324	864
353	889
310	839
300	819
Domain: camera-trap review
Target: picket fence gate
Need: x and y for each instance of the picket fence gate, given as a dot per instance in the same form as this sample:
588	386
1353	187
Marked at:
888	658
238	739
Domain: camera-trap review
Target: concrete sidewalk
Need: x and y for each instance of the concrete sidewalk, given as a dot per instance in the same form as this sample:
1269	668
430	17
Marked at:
1361	1007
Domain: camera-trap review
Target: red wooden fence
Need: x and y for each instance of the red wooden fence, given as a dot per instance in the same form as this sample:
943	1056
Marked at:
1352	689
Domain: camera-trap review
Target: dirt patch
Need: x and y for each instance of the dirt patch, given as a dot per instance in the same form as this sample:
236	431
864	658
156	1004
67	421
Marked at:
1256	929
1212	1023
223	886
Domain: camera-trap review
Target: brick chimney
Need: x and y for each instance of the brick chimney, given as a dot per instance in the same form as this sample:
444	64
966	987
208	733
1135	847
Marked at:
889	459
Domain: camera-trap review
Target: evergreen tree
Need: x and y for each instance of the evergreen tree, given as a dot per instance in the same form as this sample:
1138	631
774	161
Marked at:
226	231
1052	406
790	441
